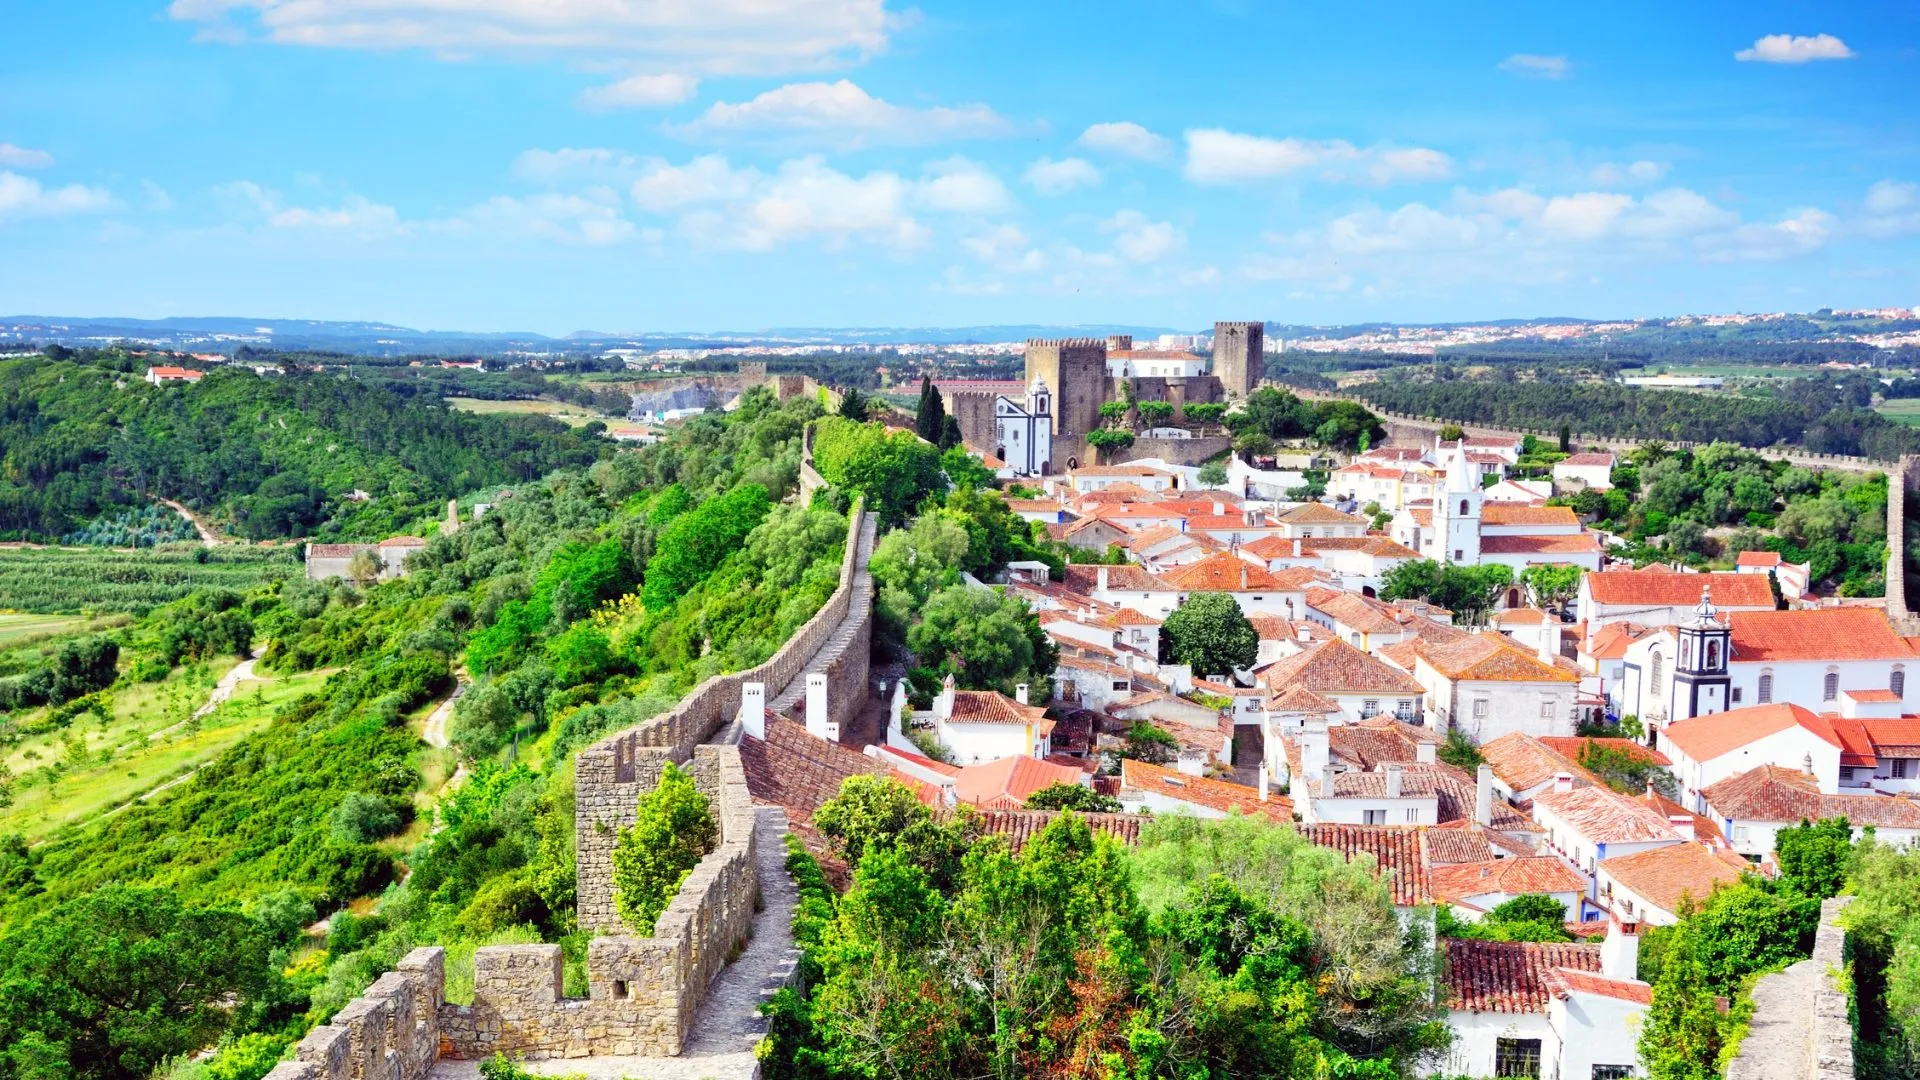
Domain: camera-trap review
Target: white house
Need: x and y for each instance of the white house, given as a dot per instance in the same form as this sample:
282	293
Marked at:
1588	825
1488	686
978	726
1099	477
1657	596
1708	749
1474	888
159	376
1577	471
1794	578
1024	432
1752	807
1651	885
1524	492
1361	686
1257	591
1166	791
1312	519
1545	1009
1125	586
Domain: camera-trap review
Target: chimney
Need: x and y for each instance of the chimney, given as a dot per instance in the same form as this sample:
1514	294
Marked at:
1682	824
943	705
1263	782
1243	577
753	710
1620	952
1563	782
1296	547
1483	796
1313	751
817	704
1393	781
1020	693
1102	579
1219	508
1549	642
1425	753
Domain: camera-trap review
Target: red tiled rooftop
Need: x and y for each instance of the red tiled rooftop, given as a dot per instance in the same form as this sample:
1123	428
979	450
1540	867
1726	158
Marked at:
1662	875
1658	587
1510	976
1850	633
1395	851
1200	791
1511	877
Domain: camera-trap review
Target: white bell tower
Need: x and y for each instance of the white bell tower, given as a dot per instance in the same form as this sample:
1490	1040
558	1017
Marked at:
1456	510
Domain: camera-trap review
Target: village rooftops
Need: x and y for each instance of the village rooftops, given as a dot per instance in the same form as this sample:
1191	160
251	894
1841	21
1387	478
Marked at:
1513	877
1221	572
1299	699
1491	658
1659	587
1198	790
993	707
1512	976
1581	543
1335	667
1007	783
1573	746
1314	513
1512	514
1119	470
1662	876
1587	459
1357	612
1082	578
1395	851
1020	827
1774	794
1704	738
1606	817
1610	642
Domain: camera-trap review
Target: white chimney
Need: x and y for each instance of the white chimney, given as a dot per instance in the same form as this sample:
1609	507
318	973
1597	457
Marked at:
1483	796
1296	547
943	705
1620	952
1020	693
1313	751
1219	508
1563	782
1102	579
753	710
1682	824
817	704
1263	782
1549	642
1425	753
1393	781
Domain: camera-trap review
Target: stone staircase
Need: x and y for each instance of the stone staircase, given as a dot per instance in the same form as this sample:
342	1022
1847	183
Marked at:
858	609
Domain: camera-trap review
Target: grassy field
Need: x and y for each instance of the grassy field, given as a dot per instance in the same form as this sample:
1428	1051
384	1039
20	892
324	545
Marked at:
563	411
17	629
1729	371
149	739
1901	410
78	580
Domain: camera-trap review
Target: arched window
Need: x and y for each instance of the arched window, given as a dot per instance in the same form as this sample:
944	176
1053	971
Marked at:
1686	653
1766	688
1653	681
1713	655
1897	682
1830	688
1463	508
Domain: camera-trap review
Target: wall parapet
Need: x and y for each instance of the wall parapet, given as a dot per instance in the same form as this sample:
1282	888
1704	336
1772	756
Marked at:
392	1031
1800	1029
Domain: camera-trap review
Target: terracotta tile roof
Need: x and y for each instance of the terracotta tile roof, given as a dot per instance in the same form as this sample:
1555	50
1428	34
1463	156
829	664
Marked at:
1586	982
1035	506
402	541
1587	459
1605	816
1272	627
336	551
1333	666
1005	784
1510	514
1362	613
1564	544
1200	791
1704	828
1658	587
1223	572
1125	616
1228	521
791	768
1850	633
1299	699
1117	470
1774	794
1449	847
1498	835
1704	738
1610	642
1879	695
1662	875
1491	658
1376	741
1457	792
1572	746
1768	559
1512	877
1084	578
1314	513
1395	850
1415	783
1021	826
1153	535
992	707
922	761
1510	976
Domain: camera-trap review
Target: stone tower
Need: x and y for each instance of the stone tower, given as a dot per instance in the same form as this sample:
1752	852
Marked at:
1076	368
1239	356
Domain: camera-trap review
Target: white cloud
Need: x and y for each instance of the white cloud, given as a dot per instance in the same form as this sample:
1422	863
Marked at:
1006	249
1140	240
714	36
355	213
663	188
1610	174
1535	66
594	218
1799	233
575	164
641	92
1050	177
1217	156
959	186
1788	49
1126	139
1892	209
842	114
24	197
157	198
20	157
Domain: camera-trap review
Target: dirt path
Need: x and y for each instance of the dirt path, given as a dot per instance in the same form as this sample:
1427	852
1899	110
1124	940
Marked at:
206	532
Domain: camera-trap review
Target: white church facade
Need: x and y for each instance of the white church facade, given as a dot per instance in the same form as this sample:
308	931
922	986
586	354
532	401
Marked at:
1024	432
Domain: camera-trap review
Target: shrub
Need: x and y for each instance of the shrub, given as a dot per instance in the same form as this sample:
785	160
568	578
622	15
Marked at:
673	830
362	819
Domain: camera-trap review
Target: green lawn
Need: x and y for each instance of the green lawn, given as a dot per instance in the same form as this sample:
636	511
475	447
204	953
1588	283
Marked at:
15	627
149	740
1901	410
563	411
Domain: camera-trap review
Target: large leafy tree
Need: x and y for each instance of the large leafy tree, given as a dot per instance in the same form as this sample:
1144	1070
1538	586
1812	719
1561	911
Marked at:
113	983
1470	592
1815	857
673	831
1211	633
1685	1035
931	420
895	471
986	640
694	545
1553	586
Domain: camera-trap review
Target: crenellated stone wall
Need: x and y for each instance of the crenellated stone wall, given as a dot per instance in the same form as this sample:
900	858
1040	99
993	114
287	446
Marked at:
392	1031
612	774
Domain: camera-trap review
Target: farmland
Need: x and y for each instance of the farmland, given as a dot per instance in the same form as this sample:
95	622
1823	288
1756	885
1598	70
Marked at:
65	580
563	411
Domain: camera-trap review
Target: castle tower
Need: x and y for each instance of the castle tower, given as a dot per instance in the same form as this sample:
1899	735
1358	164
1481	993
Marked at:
1077	370
1239	357
1456	510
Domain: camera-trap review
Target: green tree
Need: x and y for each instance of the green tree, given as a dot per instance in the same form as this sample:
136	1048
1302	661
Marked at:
1685	1036
673	830
1148	742
1064	796
964	469
1211	633
1155	413
868	812
1213	474
1531	917
361	819
113	983
931	418
1552	585
1815	858
1253	444
853	405
984	639
1451	433
894	471
1459	751
699	540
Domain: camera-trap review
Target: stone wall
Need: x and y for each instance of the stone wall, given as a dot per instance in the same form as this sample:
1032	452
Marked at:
1173	451
1900	485
612	774
973	411
392	1031
1800	1028
1076	371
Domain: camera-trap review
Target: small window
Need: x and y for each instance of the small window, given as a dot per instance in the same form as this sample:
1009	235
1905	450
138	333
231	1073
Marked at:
1459	555
1463	508
1119	686
1369	707
1413	815
1765	694
1736	695
1899	768
1612	1072
1479	708
1516	1057
1846	773
1897	682
1830	687
1546	708
1376	817
620	988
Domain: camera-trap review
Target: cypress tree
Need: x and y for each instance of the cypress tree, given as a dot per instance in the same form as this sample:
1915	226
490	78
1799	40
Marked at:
931	419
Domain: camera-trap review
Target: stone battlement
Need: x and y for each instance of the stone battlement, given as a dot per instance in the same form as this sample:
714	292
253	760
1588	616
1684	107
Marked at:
392	1031
1067	343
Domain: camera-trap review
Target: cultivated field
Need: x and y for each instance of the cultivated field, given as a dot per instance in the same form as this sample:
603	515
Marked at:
564	411
74	580
1901	410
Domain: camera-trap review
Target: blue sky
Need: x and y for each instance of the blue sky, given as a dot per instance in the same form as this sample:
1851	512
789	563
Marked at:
556	165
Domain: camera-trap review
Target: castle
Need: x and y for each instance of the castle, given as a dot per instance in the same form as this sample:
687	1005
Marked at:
1070	378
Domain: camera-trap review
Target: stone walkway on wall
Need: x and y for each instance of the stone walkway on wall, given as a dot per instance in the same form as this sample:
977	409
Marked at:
789	696
729	1021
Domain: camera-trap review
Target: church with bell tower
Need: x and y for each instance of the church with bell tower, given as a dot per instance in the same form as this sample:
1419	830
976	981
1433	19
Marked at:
1700	678
1457	511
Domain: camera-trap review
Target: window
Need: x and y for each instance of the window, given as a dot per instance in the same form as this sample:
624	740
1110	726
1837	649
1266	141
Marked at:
1376	817
1403	711
1546	708
1830	687
1846	773
1516	1057
1413	815
1897	682
1736	695
1612	1072
1369	707
1463	508
1898	768
1479	708
1459	555
1739	834
1713	655
1765	694
1120	686
1654	679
